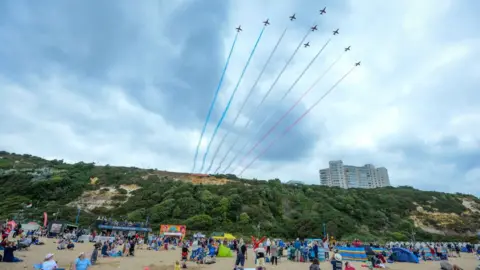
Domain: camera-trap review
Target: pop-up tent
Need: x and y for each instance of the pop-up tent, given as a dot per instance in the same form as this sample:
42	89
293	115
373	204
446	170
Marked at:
224	251
403	255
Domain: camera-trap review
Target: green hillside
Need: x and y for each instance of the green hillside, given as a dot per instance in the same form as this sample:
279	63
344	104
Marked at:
239	206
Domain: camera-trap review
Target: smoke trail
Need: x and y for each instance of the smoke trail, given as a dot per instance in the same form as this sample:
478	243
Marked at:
286	113
297	121
264	98
225	111
215	96
243	105
292	86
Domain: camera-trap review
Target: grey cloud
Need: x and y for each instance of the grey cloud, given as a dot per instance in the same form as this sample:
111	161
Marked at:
445	151
171	64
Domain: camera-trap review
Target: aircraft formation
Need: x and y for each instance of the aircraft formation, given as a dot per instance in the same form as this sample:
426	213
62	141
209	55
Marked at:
242	150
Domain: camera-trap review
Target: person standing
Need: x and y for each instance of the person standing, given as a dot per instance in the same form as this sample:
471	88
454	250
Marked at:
260	252
326	247
268	243
315	249
274	251
297	253
241	255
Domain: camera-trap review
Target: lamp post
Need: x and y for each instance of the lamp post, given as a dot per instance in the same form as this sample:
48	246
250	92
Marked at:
78	215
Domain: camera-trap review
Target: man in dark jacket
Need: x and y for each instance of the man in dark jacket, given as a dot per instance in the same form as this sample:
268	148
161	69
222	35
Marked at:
8	255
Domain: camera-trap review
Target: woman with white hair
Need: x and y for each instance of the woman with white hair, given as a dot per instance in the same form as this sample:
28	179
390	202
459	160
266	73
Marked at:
49	263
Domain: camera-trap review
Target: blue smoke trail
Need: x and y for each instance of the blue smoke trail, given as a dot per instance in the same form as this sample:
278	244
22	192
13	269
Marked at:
265	121
225	111
209	114
263	100
243	105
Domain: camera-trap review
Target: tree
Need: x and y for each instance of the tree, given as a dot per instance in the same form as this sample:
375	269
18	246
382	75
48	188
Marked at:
244	219
199	222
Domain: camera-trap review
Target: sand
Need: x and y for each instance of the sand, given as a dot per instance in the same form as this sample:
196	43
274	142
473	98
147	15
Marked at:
164	260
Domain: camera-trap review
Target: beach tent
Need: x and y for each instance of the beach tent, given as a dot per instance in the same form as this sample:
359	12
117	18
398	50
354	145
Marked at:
227	236
58	226
224	251
199	235
403	255
353	253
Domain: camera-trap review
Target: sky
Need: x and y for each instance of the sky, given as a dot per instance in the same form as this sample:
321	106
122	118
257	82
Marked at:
130	83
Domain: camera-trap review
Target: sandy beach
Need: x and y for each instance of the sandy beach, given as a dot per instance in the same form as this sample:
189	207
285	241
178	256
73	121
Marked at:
164	260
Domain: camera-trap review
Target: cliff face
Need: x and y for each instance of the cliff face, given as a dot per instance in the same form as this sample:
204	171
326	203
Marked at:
223	203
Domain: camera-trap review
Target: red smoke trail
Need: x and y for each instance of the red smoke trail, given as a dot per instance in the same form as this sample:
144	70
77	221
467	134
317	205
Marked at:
289	110
296	121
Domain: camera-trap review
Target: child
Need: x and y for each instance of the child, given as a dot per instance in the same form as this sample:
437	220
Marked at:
177	265
185	252
348	266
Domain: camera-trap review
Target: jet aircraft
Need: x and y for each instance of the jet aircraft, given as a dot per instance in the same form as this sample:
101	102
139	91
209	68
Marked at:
314	28
347	48
239	28
293	17
323	11
358	63
307	44
266	22
336	32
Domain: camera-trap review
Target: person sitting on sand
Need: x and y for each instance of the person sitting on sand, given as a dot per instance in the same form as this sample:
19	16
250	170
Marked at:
70	245
82	263
336	262
8	251
61	244
349	266
105	249
49	263
177	265
315	265
447	266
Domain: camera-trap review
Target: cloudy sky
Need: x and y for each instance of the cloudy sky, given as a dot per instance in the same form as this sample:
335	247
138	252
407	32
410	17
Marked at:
130	83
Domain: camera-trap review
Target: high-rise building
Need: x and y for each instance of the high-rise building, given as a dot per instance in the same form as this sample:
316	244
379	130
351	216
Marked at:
382	176
347	176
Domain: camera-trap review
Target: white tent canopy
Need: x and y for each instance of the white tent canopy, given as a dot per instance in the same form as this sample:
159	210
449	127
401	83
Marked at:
32	226
173	233
199	235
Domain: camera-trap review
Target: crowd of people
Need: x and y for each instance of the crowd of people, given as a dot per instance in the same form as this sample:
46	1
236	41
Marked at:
124	223
203	250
